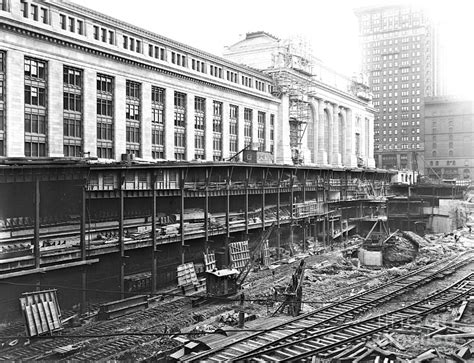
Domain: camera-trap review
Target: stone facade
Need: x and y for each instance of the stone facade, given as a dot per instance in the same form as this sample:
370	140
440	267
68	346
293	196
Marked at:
449	138
60	35
338	127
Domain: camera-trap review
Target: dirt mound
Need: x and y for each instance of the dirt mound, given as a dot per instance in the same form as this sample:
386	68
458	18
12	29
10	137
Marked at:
399	251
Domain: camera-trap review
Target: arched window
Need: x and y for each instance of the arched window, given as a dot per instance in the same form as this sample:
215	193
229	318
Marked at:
434	153
450	152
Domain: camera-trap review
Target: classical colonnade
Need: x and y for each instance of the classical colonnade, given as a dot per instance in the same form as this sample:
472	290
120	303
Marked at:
338	136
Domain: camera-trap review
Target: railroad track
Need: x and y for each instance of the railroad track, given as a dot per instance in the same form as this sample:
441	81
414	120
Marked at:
337	313
329	343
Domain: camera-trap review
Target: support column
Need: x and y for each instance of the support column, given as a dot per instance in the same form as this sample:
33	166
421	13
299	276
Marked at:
240	131
225	131
119	117
55	141
121	240
267	131
189	131
247	177
370	155
145	127
278	214
322	156
37	224
335	136
153	233
343	133
263	199
282	132
83	248
254	127
208	133
181	213
90	112
15	100
329	134
316	124
169	124
206	213
350	159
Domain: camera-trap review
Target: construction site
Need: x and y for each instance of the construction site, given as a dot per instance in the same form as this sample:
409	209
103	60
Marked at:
289	262
212	209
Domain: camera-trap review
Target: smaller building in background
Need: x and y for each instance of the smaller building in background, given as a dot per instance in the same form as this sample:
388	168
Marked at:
449	138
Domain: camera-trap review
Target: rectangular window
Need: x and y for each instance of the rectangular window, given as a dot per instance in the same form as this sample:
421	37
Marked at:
72	24
199	125
105	120
217	130
261	131
72	114
35	107
80	27
133	117
247	126
179	125
44	12
233	132
157	122
96	32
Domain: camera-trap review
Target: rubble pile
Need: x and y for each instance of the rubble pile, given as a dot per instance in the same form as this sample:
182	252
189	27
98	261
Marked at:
399	251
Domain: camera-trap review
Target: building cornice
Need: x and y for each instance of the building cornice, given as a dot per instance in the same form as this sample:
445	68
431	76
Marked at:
124	26
106	53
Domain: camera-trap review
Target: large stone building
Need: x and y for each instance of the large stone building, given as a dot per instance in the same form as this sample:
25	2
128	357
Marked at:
449	138
330	116
401	55
94	86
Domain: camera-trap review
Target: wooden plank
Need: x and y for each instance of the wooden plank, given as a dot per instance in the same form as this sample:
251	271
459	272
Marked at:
30	321
44	324
55	315
49	319
37	319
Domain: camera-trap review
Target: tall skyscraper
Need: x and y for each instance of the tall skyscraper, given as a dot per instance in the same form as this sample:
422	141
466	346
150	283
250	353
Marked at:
401	55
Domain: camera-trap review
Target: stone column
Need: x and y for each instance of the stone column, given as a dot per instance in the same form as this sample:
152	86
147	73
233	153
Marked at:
240	131
119	117
208	133
314	105
267	131
189	130
335	136
329	134
350	157
370	137
55	141
225	130
282	132
254	127
145	127
169	124
342	134
322	153
15	104
90	111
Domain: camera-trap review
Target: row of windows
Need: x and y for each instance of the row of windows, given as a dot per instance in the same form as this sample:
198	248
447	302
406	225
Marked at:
106	35
72	24
33	11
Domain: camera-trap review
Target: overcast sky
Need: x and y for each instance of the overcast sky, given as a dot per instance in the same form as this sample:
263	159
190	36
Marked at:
330	26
